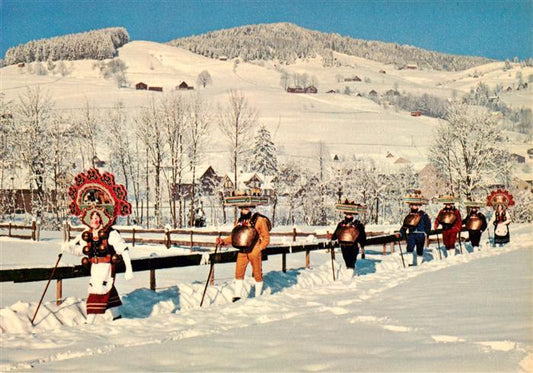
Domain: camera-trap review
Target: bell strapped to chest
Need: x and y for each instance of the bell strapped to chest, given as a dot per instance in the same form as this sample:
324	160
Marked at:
98	249
244	238
411	220
473	223
447	219
347	235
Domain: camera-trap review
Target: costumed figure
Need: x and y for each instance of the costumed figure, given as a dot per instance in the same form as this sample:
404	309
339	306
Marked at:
450	219
97	201
475	222
350	233
416	226
500	200
251	235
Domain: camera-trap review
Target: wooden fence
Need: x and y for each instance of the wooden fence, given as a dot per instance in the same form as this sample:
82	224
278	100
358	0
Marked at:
34	228
152	264
130	235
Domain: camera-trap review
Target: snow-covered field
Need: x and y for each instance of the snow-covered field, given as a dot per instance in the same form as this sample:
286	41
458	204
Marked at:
347	125
472	312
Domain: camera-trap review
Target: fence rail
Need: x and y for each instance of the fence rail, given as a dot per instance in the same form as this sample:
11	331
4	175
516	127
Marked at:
34	228
152	264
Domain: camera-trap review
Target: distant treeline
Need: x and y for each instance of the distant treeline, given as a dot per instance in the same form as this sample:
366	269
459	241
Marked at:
97	44
287	42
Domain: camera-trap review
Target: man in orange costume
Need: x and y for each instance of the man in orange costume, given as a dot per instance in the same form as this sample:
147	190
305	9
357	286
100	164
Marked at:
254	257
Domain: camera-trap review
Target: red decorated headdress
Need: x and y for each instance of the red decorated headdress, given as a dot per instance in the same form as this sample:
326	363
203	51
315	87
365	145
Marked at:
500	197
95	192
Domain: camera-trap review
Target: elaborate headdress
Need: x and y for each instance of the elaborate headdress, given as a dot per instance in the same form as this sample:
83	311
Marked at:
500	197
247	198
446	199
415	198
350	207
95	192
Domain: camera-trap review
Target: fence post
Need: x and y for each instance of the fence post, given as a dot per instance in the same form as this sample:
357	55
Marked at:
152	279
284	262
59	291
384	252
294	234
191	238
307	259
38	234
33	227
9	231
133	237
167	237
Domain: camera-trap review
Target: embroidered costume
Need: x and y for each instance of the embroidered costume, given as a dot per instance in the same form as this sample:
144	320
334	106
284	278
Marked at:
97	201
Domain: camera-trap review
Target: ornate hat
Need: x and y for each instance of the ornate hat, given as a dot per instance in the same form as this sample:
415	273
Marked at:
244	199
474	203
446	199
95	192
415	198
500	197
350	207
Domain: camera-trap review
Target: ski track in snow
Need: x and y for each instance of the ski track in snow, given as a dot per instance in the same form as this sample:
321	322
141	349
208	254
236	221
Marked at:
61	328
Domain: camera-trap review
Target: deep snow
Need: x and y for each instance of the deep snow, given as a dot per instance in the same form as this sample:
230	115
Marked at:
472	312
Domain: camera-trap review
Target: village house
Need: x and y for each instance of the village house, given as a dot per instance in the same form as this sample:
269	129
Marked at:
184	86
354	79
156	89
141	86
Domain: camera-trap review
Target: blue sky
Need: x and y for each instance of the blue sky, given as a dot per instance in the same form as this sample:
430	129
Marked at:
492	28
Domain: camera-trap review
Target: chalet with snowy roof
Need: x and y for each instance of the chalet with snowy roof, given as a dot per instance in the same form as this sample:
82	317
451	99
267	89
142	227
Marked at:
517	158
401	160
372	93
392	92
141	86
222	58
97	162
416	113
184	87
353	79
311	89
156	89
530	153
508	89
331	91
382	72
411	66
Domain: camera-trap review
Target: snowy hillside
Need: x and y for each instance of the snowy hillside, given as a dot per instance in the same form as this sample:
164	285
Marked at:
471	312
348	125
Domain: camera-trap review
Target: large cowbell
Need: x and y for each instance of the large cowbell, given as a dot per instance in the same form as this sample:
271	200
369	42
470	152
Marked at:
244	238
411	220
348	235
473	223
447	218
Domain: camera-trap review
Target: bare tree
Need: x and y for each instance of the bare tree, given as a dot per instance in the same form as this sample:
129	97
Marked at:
150	131
197	132
33	114
469	149
204	78
87	132
237	122
173	111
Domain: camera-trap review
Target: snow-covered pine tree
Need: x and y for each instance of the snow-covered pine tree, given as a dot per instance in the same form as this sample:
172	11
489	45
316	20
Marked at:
264	154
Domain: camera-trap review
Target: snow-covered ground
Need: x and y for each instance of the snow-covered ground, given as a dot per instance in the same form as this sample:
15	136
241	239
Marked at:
472	312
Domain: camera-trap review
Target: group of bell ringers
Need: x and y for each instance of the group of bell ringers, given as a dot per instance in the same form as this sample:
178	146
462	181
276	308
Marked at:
97	201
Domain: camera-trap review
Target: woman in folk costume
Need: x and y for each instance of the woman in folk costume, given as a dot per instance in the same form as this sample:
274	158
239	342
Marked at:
500	200
475	222
450	220
416	226
251	235
97	201
350	233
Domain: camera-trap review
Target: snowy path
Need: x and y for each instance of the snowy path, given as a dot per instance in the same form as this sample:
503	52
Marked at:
468	313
